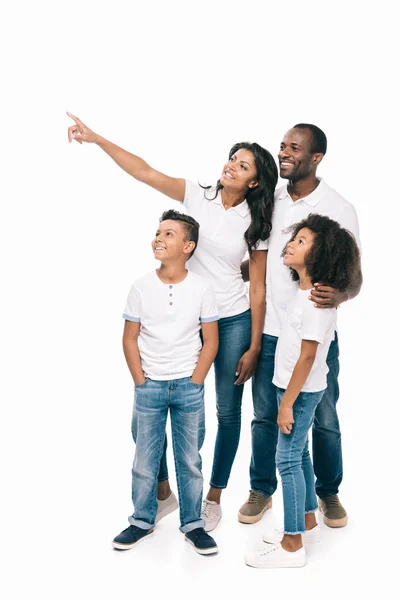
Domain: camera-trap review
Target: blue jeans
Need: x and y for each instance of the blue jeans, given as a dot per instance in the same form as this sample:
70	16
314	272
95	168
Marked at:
234	340
327	447
294	463
185	400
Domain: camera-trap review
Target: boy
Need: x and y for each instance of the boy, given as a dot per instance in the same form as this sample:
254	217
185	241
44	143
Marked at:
168	363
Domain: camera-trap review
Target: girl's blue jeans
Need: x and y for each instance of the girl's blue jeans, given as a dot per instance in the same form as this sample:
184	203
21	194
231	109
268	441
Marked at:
294	463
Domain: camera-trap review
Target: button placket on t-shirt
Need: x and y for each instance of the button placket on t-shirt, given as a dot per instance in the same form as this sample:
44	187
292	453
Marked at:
171	299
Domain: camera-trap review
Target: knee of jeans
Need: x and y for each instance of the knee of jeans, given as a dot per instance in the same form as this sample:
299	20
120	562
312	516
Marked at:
326	418
286	460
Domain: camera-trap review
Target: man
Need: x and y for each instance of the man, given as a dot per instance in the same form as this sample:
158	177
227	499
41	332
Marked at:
302	149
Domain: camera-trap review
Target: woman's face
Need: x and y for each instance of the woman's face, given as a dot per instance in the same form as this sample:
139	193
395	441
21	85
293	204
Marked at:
240	173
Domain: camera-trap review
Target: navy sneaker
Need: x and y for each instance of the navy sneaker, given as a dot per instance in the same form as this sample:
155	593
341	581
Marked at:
130	536
202	542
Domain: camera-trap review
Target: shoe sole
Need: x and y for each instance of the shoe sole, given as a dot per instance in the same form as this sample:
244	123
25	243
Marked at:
119	546
250	519
203	551
275	566
166	511
334	523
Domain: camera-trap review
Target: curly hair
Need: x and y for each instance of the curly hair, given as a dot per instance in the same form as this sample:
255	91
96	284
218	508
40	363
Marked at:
334	256
189	224
261	198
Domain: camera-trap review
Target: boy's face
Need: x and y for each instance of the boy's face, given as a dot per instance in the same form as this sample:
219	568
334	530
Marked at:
170	242
296	250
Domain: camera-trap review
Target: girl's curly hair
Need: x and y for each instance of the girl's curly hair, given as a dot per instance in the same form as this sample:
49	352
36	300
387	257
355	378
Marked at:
334	256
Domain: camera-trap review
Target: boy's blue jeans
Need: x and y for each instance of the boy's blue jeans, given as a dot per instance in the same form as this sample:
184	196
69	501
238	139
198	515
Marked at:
294	463
185	400
234	340
326	436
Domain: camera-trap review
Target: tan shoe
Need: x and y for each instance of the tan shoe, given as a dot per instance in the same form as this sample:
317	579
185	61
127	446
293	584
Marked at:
254	508
333	512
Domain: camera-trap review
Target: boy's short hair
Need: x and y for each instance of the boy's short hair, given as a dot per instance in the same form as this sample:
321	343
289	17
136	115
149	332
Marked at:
189	224
334	256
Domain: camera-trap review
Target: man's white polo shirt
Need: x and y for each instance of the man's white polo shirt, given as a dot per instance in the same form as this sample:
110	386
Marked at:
221	247
304	321
280	287
170	317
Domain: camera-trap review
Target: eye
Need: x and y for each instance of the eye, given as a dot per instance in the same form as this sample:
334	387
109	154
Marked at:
244	167
169	233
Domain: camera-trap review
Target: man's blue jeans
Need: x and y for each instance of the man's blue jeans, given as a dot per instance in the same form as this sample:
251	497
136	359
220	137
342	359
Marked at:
185	400
294	463
234	340
327	446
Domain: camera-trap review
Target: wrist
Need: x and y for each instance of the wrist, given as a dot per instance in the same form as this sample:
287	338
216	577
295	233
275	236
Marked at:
255	348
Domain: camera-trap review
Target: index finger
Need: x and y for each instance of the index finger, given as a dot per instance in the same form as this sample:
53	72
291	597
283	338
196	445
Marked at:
77	121
322	287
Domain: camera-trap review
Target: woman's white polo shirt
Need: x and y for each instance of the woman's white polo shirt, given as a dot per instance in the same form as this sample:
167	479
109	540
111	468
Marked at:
221	247
170	317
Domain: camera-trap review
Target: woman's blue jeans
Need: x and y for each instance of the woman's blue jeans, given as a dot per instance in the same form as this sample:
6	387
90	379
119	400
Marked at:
294	463
234	341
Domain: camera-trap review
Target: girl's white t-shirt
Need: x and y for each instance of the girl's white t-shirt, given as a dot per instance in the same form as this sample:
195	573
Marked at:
304	321
221	248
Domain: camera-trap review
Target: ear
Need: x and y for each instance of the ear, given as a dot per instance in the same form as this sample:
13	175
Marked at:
189	247
254	184
316	159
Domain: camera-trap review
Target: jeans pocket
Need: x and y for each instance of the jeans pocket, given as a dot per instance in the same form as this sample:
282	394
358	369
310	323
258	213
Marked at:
142	384
196	384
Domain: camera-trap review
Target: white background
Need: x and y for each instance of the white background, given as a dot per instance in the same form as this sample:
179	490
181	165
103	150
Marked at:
177	83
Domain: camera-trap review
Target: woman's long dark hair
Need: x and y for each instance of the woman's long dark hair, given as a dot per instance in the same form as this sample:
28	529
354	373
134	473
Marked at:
261	198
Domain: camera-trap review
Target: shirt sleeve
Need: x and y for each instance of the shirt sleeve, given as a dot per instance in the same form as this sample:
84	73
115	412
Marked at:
193	194
262	245
316	322
133	305
209	309
349	220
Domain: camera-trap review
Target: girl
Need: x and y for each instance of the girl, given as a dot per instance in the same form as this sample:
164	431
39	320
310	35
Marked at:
234	216
319	250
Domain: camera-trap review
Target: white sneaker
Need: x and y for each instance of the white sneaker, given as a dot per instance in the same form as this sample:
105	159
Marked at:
167	506
273	556
211	514
312	536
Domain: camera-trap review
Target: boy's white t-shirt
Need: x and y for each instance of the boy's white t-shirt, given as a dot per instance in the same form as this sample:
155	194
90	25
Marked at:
170	317
304	321
221	247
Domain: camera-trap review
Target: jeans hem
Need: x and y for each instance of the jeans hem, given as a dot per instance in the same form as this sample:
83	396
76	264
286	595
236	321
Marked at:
191	526
261	492
218	487
312	510
140	524
329	495
293	532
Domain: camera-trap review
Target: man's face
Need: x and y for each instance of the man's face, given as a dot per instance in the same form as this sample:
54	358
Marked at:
296	160
170	241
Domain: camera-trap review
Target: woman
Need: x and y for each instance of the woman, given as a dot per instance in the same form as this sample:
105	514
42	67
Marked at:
234	216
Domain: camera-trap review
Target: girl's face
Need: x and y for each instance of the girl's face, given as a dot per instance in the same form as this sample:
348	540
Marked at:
240	173
296	250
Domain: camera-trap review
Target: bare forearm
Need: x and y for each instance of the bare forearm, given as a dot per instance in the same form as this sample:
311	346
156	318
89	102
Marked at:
132	356
131	164
299	377
206	359
257	309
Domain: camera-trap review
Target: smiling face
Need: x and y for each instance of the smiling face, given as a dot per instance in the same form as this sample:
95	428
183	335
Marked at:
240	173
170	242
297	249
296	159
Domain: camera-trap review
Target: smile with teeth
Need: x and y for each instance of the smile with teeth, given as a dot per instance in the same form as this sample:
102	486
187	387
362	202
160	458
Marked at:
159	248
228	174
285	163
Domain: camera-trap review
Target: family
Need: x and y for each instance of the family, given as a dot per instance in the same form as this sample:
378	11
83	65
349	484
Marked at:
194	311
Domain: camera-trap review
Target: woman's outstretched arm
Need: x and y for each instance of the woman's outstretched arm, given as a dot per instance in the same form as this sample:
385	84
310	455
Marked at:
135	166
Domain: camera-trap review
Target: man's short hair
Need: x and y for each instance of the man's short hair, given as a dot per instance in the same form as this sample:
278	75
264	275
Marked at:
320	142
189	224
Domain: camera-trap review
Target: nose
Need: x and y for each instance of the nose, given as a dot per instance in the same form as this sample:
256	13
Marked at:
284	153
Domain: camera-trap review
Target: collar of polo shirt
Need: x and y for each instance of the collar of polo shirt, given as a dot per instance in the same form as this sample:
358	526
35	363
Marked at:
313	198
242	209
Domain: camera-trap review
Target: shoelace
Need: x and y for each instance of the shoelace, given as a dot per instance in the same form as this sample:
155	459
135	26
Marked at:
199	533
253	498
332	501
206	508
